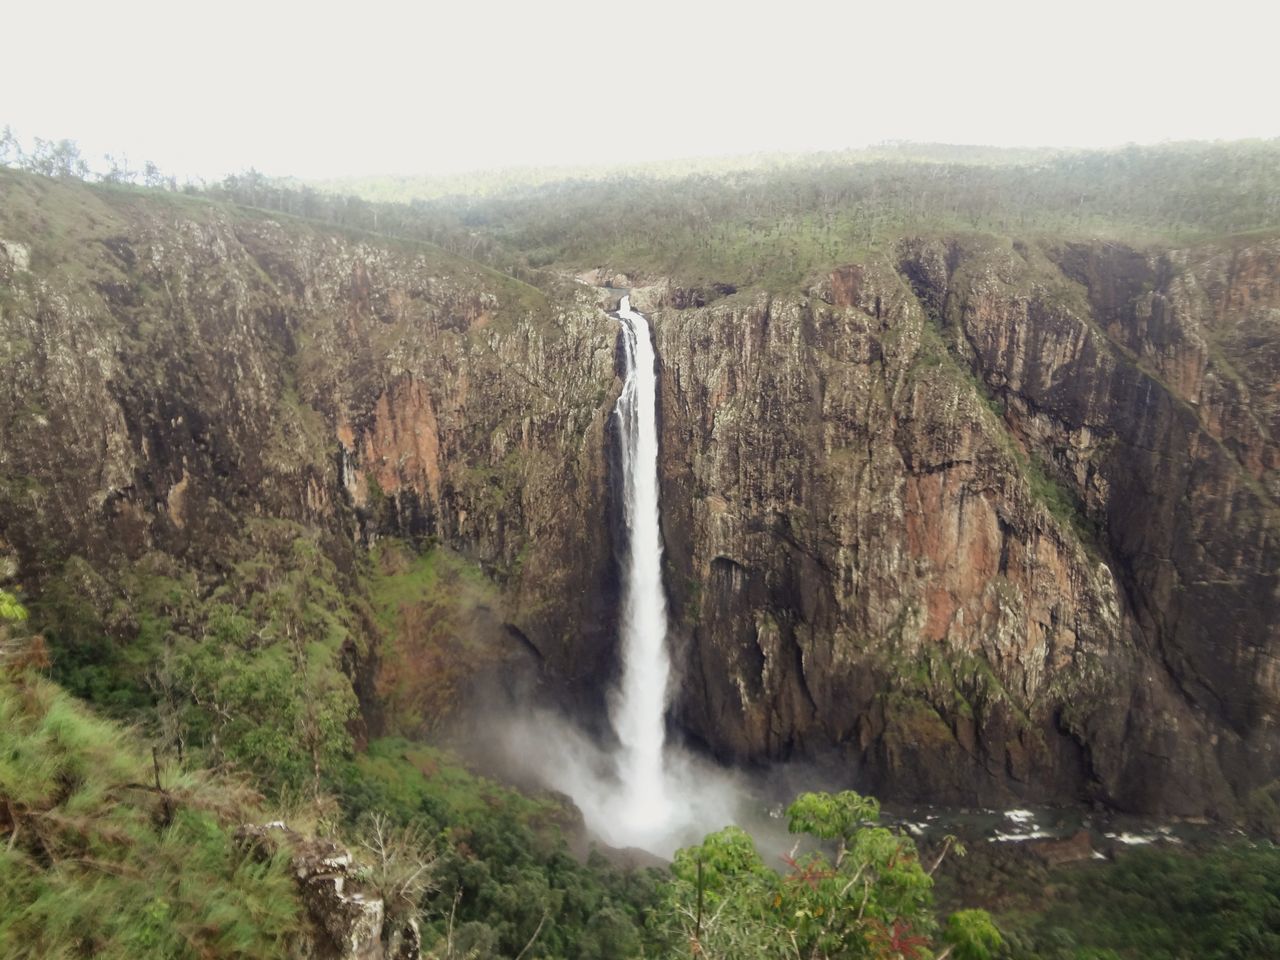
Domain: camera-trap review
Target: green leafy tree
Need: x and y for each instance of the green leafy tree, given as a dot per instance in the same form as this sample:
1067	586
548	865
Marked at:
972	935
23	652
118	170
723	901
862	894
10	608
263	685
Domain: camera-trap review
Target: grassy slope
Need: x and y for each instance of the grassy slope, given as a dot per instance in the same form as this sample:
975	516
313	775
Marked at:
102	864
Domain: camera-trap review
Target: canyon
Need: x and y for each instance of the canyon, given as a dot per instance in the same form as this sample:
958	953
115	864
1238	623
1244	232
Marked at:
969	520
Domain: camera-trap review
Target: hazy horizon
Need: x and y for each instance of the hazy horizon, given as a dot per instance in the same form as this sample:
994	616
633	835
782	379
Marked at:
438	90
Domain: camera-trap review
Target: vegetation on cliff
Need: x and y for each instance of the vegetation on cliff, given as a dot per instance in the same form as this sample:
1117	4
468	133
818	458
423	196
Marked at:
869	897
109	853
247	669
117	854
507	880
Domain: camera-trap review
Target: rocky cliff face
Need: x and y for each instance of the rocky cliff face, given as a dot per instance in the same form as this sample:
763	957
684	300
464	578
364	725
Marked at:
987	522
972	520
174	369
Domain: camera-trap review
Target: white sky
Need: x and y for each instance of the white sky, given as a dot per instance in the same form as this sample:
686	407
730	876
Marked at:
320	89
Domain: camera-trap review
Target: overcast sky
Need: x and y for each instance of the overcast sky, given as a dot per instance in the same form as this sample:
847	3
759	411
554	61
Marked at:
320	90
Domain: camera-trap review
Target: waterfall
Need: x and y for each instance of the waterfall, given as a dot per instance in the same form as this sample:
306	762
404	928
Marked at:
640	705
642	792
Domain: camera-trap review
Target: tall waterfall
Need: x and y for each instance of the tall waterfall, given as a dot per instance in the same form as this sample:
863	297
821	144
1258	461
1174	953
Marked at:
639	708
643	792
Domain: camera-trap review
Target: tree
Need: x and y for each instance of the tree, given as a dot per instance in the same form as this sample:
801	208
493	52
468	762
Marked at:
402	868
24	652
860	894
972	935
723	901
118	170
57	158
10	149
153	176
10	609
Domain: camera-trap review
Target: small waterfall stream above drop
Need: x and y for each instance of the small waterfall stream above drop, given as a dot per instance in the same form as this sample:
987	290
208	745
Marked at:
638	711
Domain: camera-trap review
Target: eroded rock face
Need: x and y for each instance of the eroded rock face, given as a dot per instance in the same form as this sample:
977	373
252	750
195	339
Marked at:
173	369
982	523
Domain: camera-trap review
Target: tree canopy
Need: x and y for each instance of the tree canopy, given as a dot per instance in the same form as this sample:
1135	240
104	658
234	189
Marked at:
859	892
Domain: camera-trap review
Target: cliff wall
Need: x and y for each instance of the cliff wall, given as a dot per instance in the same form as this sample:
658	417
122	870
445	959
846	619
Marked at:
176	369
986	521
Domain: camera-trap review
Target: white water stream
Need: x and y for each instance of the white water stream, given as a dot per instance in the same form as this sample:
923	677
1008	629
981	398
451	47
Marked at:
644	792
640	705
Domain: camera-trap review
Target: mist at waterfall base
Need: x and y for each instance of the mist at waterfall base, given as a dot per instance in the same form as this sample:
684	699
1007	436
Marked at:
641	791
699	796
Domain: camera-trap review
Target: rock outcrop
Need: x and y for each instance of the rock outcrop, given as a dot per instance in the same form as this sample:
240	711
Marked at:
348	920
986	521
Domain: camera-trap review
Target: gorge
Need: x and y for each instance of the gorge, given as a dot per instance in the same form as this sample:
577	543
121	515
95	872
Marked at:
960	521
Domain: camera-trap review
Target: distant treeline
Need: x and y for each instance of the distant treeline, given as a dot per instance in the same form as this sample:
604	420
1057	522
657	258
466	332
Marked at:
764	220
489	182
777	223
776	226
